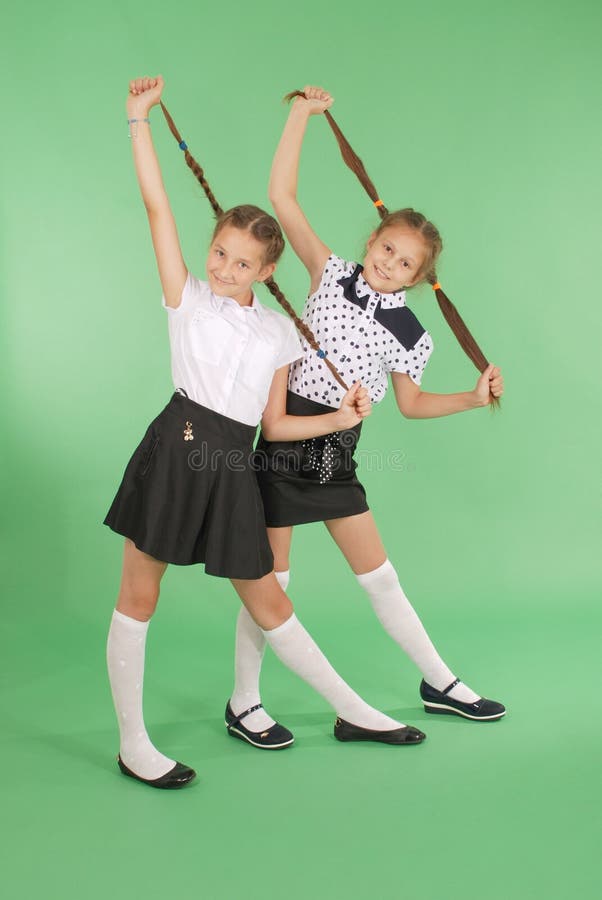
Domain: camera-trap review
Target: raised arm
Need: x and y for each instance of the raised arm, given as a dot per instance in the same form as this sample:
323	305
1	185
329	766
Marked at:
312	252
413	403
145	93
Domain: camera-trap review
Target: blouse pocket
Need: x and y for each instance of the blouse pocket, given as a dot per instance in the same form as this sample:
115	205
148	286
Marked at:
209	336
259	366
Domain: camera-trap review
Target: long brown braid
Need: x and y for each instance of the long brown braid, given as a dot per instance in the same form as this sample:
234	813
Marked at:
253	213
433	240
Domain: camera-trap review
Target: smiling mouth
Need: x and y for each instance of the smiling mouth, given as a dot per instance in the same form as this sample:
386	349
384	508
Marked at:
221	280
380	273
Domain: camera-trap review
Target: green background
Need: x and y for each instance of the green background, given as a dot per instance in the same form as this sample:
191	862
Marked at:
486	118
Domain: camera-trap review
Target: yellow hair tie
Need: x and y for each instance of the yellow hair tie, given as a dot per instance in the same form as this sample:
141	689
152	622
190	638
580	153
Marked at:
436	286
378	203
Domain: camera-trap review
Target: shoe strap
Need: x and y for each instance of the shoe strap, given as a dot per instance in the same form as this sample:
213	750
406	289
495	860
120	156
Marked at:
237	719
451	686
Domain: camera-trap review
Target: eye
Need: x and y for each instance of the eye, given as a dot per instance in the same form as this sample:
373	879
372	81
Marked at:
243	265
387	248
405	264
219	252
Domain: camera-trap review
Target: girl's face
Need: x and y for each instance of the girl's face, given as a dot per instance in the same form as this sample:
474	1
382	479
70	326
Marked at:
394	258
234	263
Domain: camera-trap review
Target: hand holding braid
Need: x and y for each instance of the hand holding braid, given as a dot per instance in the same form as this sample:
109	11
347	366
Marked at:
316	99
144	93
416	220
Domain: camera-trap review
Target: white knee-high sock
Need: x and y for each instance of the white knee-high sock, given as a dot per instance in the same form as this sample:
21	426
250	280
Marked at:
296	649
125	662
248	656
399	619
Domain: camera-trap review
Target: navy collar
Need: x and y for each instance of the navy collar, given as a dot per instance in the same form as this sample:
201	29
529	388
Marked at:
357	291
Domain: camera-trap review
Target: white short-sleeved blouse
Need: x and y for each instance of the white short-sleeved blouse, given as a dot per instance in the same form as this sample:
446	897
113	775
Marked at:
224	355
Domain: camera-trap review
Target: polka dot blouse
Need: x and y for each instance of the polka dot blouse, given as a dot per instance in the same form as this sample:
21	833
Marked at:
366	335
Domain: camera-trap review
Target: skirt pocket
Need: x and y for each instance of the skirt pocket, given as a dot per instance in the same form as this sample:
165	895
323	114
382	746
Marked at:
147	457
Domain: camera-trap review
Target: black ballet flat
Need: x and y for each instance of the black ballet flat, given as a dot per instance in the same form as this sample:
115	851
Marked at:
177	777
275	738
438	702
345	731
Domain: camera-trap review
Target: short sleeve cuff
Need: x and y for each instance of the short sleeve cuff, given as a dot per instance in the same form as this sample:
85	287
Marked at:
291	350
414	362
193	292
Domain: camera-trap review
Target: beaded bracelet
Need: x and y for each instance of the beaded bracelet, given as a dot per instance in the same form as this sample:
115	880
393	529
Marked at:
134	133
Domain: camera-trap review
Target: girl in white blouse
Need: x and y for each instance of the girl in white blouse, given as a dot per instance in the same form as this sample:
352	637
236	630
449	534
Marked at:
189	493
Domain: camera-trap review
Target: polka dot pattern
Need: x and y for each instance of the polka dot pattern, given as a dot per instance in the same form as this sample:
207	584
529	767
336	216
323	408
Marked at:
319	454
366	334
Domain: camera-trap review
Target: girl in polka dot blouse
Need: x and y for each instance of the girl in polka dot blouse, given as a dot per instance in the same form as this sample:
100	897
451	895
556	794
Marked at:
359	328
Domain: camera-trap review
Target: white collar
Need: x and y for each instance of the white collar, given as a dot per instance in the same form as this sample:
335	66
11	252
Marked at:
387	301
254	306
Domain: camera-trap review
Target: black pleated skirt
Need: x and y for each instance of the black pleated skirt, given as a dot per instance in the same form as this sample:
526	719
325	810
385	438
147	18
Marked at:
190	495
309	481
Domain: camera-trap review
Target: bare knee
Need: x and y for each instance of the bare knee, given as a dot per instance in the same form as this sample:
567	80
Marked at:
138	602
265	600
140	583
278	609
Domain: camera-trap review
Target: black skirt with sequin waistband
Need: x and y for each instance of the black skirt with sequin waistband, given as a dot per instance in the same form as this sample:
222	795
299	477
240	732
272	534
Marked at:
312	480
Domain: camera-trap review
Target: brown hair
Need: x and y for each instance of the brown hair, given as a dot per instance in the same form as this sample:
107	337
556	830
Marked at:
264	228
432	240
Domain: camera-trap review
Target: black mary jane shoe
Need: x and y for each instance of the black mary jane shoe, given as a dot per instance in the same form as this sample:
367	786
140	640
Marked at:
482	710
407	734
275	738
177	777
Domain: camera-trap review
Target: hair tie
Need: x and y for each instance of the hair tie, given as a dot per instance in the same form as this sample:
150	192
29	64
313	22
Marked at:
183	145
322	353
436	286
378	203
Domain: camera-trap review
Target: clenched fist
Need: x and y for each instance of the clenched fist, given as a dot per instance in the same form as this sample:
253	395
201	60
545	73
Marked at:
144	93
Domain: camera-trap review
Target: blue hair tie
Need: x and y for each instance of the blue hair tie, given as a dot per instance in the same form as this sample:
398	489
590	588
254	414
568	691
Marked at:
322	353
183	145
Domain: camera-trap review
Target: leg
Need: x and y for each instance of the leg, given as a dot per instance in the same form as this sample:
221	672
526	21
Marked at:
358	540
280	541
140	582
249	649
272	610
360	543
138	596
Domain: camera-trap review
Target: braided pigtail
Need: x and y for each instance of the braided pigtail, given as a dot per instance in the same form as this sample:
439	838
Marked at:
258	223
432	238
463	335
192	163
303	328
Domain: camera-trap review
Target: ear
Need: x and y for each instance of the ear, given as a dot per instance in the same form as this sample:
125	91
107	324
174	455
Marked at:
371	239
266	272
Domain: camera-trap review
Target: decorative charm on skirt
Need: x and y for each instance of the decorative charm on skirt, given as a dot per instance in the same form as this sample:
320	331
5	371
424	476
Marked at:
188	435
319	454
